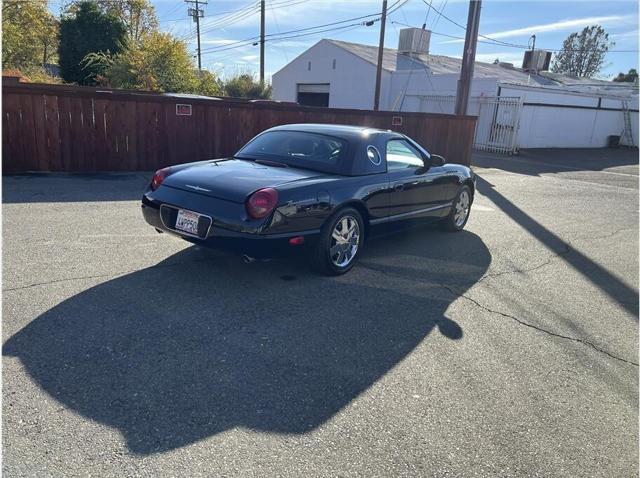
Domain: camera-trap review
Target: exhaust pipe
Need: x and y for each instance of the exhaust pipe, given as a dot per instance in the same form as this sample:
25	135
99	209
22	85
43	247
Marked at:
248	259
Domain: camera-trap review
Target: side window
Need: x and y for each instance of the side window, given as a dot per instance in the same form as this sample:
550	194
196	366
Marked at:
401	155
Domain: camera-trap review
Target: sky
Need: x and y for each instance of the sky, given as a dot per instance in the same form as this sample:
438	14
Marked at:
510	22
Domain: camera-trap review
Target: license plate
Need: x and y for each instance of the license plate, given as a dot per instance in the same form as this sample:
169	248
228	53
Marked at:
187	221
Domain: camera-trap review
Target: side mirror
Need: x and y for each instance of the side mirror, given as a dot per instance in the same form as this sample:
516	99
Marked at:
437	160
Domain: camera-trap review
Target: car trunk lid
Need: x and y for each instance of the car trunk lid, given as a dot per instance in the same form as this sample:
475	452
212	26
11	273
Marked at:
234	179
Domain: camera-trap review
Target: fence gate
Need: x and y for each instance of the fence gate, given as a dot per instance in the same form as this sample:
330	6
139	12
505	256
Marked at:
497	127
498	119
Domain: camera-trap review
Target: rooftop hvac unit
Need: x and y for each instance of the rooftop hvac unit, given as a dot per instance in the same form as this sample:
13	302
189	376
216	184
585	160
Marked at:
536	60
414	40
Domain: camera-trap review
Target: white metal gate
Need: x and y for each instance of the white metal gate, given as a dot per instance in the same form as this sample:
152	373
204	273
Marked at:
498	119
497	127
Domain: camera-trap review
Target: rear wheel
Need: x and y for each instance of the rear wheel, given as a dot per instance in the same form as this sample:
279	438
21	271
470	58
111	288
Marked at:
459	214
339	244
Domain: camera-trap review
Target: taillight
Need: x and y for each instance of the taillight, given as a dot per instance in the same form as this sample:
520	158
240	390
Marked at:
160	176
261	203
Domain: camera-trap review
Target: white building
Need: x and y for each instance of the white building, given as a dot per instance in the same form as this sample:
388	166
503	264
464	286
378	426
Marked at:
515	108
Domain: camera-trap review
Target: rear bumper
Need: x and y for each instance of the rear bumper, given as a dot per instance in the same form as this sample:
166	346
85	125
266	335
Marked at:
255	245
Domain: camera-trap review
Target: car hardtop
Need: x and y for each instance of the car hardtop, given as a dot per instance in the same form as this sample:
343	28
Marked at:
349	133
359	139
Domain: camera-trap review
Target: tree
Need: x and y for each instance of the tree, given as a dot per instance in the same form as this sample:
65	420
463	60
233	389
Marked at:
583	53
627	78
138	16
159	62
246	86
208	84
85	29
29	34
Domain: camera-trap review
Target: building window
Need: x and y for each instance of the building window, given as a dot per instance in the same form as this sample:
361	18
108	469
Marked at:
334	63
309	66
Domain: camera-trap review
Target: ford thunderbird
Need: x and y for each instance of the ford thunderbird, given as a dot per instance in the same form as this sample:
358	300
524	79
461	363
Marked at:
323	189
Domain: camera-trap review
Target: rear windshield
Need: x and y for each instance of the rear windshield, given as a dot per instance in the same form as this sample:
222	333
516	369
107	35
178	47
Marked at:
298	149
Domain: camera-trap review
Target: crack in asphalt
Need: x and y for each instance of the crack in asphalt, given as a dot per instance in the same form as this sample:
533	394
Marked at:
98	276
456	293
53	281
567	249
606	236
535	327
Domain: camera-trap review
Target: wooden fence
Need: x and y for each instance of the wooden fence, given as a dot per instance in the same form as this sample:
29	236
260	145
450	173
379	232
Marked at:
80	129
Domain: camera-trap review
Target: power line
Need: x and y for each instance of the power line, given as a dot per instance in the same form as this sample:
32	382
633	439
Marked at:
233	17
247	12
182	18
426	18
309	31
328	24
316	28
437	19
441	14
503	43
174	9
522	47
396	6
253	42
275	20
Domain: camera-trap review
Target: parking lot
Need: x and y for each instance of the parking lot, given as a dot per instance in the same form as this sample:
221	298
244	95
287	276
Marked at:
509	349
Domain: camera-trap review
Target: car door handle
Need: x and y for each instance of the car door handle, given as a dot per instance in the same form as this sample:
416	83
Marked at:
398	187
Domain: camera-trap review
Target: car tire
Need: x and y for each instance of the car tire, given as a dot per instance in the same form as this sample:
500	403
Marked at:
334	254
459	214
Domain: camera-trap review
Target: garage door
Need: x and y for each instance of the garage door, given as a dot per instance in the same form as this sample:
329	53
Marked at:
313	94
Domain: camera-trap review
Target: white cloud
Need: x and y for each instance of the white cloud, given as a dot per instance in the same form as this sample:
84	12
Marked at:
249	58
555	26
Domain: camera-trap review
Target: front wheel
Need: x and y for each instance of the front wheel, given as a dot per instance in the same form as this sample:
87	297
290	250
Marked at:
459	214
339	244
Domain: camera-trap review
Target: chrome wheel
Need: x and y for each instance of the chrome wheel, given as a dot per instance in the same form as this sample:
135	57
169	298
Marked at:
462	209
345	240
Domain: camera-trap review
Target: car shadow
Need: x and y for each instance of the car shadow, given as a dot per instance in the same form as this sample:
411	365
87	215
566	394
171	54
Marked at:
201	343
537	162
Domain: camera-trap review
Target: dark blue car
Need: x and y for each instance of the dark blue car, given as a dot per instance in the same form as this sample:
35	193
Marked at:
322	188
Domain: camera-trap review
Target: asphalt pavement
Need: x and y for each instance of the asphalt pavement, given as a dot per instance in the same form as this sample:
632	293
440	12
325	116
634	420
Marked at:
509	349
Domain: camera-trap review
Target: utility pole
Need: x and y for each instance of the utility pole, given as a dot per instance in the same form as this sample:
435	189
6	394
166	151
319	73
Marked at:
262	42
468	57
197	13
383	22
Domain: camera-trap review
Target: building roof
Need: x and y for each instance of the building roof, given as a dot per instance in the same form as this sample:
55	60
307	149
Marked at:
393	61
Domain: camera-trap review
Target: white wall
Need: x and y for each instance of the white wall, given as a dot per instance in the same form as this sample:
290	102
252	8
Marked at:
560	127
421	83
352	85
352	82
